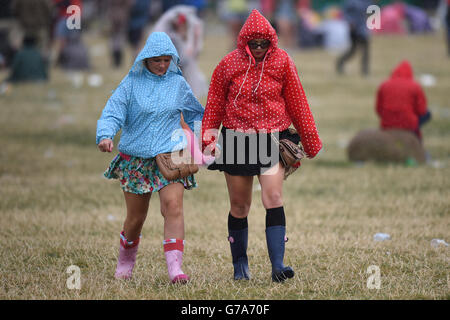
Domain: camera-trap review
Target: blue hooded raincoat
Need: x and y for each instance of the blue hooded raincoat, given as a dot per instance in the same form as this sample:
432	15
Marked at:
148	107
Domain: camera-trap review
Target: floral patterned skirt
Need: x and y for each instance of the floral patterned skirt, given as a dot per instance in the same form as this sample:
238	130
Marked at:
139	175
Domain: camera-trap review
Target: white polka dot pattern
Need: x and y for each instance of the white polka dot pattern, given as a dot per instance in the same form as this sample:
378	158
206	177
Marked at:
267	96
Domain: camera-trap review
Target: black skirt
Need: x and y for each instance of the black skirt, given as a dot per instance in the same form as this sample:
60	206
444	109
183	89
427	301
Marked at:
249	154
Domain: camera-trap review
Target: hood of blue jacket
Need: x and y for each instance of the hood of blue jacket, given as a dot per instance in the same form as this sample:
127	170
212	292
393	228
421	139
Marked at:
158	44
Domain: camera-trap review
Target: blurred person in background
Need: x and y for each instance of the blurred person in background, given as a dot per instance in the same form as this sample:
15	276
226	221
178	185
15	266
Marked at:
28	64
334	31
401	101
447	22
167	4
309	35
60	30
118	13
35	19
138	19
234	13
7	22
200	5
70	51
355	13
256	93
74	54
267	9
286	22
147	107
304	4
185	30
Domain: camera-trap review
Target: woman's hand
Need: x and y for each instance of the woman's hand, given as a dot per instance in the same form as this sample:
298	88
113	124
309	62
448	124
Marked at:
106	145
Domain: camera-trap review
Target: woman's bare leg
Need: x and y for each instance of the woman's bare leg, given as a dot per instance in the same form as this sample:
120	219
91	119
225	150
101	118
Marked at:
171	199
272	187
240	193
137	207
271	194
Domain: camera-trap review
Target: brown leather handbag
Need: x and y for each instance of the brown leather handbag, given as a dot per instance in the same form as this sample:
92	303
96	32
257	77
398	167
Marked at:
290	153
176	165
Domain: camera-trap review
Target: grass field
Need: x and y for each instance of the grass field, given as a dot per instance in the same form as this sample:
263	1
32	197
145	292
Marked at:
56	209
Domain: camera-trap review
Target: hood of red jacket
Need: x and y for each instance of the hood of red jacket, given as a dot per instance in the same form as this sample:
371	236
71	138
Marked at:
403	70
257	27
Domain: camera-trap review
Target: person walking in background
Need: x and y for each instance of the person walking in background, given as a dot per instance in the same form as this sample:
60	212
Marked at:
447	22
118	12
139	17
73	55
256	94
62	36
200	5
8	47
234	13
35	19
355	13
185	30
167	4
147	106
401	102
286	21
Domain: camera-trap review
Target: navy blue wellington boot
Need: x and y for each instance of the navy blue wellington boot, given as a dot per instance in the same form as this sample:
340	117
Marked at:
238	244
275	246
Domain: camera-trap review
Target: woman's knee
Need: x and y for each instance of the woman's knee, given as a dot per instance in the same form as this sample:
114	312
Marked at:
272	199
171	208
136	218
240	209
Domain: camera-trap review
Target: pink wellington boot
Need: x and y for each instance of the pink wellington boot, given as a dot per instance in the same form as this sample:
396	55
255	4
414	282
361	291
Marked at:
127	257
173	250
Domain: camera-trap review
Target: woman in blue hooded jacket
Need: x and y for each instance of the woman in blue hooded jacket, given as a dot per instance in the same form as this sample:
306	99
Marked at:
147	106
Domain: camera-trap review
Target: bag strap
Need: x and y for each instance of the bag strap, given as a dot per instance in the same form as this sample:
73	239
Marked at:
274	138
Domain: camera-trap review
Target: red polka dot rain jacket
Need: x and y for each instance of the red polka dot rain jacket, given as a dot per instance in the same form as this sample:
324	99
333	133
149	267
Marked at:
266	96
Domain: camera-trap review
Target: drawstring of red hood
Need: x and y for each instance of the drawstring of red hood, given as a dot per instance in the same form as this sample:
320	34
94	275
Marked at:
246	73
262	70
245	78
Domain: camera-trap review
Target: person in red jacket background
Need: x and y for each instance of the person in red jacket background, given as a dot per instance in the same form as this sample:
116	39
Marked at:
401	102
256	93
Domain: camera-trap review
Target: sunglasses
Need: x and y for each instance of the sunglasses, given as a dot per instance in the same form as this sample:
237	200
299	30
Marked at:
255	45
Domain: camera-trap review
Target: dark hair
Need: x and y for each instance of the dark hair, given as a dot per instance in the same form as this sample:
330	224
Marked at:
29	40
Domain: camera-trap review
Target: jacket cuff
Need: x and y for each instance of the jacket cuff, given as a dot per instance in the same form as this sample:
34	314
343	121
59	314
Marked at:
99	139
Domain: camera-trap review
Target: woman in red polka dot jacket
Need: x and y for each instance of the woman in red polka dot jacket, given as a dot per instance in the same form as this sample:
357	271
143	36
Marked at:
256	94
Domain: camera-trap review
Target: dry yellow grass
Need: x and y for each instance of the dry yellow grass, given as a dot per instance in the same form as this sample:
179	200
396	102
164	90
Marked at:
56	210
